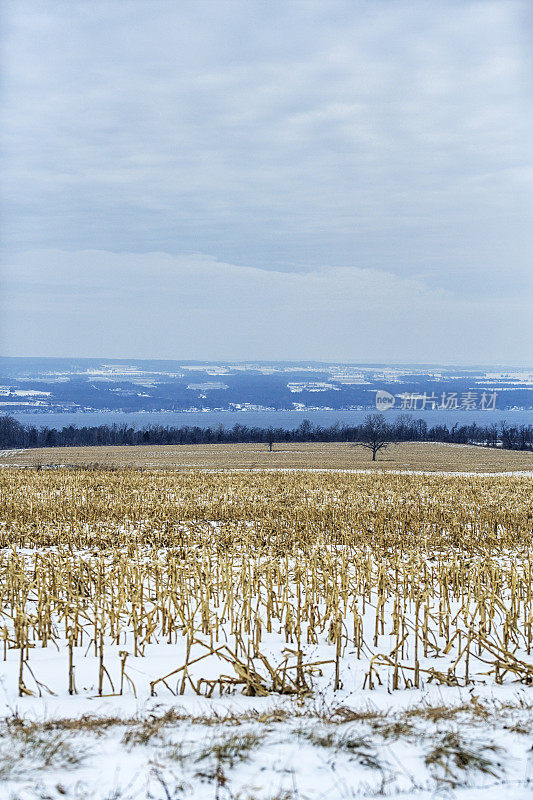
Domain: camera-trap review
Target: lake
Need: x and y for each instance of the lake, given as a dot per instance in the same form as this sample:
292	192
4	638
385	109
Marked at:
264	419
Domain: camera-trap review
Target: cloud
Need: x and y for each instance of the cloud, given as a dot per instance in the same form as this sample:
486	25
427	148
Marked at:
359	172
389	135
97	303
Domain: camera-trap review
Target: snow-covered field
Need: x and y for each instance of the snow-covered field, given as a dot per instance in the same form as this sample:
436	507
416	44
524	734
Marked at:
467	742
265	637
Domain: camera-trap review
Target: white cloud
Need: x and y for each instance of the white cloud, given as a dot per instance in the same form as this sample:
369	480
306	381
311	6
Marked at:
96	303
391	135
370	161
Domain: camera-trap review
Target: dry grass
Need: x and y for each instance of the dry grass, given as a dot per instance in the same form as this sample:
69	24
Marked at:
407	455
452	756
26	747
458	744
393	722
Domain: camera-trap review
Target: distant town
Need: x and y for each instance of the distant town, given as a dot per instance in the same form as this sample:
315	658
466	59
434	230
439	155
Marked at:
48	385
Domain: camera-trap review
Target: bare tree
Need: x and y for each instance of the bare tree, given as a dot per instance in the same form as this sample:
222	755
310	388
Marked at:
375	435
492	435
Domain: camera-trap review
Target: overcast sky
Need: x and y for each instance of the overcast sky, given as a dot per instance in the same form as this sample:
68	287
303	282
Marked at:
254	179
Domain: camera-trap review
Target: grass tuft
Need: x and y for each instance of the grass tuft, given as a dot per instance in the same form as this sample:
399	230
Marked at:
230	749
452	756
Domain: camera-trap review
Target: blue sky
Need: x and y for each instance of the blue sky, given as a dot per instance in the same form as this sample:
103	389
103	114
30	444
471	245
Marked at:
240	180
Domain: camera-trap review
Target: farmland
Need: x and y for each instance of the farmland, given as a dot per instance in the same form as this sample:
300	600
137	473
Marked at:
431	456
220	633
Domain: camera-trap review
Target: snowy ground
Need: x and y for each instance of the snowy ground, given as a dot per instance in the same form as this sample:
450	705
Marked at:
438	741
446	747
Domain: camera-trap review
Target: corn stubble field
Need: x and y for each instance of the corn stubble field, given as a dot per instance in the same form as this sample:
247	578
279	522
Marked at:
273	635
433	456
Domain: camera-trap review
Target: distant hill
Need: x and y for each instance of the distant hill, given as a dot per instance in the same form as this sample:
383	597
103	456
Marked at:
43	385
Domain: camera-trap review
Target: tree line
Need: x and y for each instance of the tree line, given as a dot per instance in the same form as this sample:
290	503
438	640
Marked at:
404	428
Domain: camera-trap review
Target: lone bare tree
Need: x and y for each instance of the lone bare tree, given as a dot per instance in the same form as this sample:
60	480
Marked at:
376	435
